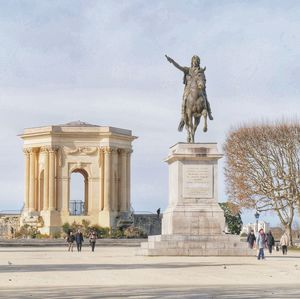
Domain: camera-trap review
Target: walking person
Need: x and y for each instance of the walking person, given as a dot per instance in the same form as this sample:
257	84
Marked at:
79	240
261	242
251	239
270	241
284	242
93	238
70	240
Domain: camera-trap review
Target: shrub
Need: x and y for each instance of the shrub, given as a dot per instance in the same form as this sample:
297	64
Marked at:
27	231
42	236
102	232
66	227
117	233
56	235
85	224
134	232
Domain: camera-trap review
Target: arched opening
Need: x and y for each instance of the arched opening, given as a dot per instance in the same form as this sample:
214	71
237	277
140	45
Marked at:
78	203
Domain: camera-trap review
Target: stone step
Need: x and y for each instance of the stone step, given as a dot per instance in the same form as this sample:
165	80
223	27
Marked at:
198	238
194	244
224	244
195	252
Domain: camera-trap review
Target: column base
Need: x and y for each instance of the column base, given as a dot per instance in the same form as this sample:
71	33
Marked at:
52	222
108	219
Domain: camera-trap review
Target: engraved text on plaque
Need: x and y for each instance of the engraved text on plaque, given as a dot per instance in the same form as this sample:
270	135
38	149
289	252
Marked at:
198	181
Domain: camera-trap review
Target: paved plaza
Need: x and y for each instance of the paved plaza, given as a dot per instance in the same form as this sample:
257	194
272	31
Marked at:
116	272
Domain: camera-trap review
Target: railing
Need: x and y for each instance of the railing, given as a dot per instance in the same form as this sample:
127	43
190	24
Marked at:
76	207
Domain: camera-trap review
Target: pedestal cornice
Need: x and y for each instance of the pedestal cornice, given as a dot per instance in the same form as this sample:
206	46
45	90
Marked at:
193	151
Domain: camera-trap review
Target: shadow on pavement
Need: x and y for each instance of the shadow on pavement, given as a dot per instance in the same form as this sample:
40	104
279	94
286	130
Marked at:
214	292
88	267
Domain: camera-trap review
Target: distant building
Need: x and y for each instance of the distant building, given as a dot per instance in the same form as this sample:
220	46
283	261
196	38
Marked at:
261	224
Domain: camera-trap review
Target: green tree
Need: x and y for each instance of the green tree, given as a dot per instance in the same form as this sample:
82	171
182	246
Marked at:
233	217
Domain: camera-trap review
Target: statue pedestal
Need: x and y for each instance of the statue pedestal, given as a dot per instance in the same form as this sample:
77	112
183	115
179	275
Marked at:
193	223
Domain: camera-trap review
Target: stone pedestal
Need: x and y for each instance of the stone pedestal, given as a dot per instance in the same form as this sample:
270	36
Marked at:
193	223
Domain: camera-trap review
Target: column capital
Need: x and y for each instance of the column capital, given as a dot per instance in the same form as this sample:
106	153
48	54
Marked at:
33	150
45	148
125	150
107	149
53	149
114	150
26	151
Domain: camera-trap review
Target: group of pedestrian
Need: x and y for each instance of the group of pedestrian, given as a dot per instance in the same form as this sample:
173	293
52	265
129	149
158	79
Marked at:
78	239
262	241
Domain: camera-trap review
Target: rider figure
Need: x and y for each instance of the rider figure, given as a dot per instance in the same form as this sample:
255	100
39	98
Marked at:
192	75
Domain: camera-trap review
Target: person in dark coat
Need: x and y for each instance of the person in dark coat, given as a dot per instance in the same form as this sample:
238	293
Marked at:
93	238
270	241
79	239
158	212
70	240
251	239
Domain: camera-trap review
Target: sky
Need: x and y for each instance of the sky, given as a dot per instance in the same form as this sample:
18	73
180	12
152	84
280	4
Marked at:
103	62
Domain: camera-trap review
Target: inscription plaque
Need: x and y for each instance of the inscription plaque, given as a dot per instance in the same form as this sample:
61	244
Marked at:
198	181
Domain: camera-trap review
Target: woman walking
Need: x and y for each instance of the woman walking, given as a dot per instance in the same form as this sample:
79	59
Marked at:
93	238
284	242
70	241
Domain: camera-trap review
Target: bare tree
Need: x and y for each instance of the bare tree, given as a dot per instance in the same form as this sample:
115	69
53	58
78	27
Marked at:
263	168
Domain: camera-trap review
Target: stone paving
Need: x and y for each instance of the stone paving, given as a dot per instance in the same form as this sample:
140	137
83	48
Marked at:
116	272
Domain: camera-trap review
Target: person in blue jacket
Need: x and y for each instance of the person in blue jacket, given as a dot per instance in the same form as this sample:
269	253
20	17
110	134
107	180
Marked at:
79	239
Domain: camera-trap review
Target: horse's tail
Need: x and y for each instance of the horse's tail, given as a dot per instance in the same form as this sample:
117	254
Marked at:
181	125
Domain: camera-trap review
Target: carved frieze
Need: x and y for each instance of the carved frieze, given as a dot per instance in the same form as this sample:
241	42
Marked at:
85	150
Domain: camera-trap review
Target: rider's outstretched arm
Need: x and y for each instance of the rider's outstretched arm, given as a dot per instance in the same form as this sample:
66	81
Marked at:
183	69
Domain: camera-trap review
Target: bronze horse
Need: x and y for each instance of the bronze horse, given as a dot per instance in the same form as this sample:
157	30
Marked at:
194	101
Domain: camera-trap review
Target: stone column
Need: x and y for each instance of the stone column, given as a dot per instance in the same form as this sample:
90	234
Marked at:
26	178
36	181
107	178
101	177
123	181
31	179
114	180
46	178
87	184
128	179
52	152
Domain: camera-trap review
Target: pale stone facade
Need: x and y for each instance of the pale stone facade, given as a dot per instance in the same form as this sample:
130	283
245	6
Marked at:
101	154
194	223
256	227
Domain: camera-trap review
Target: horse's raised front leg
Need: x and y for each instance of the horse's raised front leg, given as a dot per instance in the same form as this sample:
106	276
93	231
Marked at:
204	113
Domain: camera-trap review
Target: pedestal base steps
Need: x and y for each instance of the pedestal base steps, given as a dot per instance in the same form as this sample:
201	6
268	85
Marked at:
181	245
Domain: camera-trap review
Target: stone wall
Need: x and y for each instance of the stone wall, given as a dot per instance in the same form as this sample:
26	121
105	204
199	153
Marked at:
149	223
9	224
